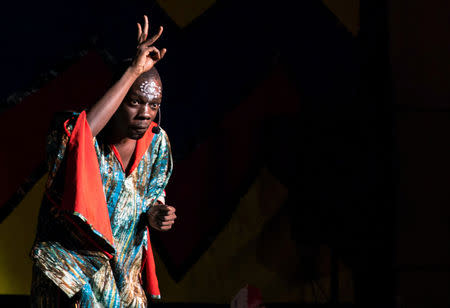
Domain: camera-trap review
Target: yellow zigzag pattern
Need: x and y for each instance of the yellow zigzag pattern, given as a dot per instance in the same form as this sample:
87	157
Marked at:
184	12
17	234
255	248
347	11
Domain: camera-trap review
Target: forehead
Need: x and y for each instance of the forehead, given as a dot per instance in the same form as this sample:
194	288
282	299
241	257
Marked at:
148	89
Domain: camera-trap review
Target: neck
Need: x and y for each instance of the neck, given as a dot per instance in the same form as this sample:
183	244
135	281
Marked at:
126	147
123	142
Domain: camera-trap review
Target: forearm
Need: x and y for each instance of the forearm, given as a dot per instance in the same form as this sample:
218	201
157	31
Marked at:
102	111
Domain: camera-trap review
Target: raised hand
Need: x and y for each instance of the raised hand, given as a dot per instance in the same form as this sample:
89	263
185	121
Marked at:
147	54
146	57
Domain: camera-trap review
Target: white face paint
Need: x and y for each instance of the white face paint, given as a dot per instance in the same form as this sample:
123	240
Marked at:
150	89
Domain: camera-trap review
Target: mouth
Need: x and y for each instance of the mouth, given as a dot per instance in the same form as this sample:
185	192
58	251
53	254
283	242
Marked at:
139	128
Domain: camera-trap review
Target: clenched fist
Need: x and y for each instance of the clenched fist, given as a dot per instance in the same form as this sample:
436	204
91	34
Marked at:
161	217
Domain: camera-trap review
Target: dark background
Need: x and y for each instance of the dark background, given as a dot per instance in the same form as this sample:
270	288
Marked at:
354	126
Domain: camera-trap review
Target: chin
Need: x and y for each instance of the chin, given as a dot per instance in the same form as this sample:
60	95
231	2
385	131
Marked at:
136	136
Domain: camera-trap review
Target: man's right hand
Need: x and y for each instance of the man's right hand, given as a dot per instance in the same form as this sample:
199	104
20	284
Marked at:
147	54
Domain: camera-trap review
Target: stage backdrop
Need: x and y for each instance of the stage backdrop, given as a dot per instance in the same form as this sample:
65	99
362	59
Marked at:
258	104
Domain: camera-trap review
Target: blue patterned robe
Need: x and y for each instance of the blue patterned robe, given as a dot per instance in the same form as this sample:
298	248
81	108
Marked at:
70	255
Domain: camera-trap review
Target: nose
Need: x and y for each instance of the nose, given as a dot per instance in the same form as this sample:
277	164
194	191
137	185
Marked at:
144	112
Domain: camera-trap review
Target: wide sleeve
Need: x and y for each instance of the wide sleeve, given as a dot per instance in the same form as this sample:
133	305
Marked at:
74	237
162	165
83	195
74	184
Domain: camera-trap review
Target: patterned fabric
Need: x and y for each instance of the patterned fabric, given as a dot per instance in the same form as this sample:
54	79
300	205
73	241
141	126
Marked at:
67	257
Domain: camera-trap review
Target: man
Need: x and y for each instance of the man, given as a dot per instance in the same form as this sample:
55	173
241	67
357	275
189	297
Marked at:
108	168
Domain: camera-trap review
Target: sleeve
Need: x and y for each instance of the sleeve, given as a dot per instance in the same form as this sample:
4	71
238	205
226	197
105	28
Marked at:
74	234
162	198
161	169
74	184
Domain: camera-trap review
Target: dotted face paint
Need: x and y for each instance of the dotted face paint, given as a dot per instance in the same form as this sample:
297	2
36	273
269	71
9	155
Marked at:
150	89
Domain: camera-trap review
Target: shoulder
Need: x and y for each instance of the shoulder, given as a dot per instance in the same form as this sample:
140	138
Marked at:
162	136
160	144
162	133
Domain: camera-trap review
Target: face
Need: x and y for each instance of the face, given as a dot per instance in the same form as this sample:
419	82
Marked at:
140	107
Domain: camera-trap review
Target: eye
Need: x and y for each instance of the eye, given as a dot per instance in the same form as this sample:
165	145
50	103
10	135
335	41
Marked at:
154	106
134	102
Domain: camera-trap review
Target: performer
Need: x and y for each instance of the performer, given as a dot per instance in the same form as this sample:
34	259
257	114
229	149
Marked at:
108	168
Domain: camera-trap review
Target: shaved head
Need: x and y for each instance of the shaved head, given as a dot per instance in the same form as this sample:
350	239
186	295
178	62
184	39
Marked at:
148	85
152	74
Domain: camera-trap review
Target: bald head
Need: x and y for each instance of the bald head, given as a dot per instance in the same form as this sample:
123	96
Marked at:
148	85
152	74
